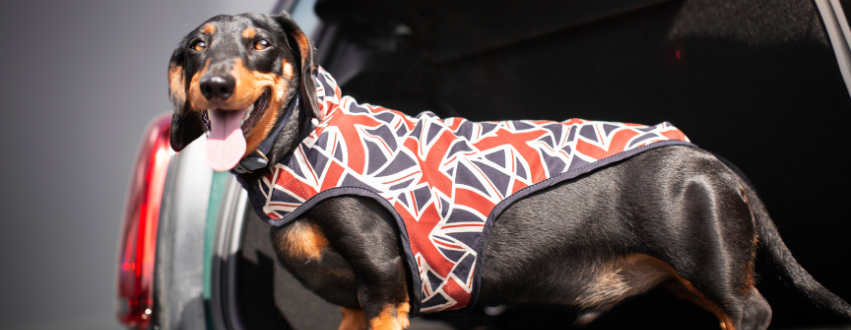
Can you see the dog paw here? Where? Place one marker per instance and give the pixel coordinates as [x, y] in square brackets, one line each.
[587, 315]
[387, 320]
[404, 322]
[402, 315]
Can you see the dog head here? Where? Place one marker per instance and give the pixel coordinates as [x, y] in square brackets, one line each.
[232, 77]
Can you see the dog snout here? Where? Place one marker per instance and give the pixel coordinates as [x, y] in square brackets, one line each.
[217, 88]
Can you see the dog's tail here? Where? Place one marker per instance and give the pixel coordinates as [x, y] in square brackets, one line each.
[782, 258]
[789, 268]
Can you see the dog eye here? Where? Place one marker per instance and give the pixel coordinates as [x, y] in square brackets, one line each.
[199, 46]
[261, 44]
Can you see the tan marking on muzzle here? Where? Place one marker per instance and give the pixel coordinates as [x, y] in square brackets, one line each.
[250, 85]
[266, 122]
[196, 99]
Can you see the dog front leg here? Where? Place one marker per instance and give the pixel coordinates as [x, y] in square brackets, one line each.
[367, 237]
[355, 319]
[385, 315]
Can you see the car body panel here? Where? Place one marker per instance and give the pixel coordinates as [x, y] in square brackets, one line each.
[179, 283]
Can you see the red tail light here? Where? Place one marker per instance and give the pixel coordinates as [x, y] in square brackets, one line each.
[138, 245]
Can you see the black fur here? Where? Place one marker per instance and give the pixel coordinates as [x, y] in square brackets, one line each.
[675, 216]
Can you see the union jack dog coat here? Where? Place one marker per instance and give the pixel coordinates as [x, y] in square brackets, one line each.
[445, 180]
[388, 215]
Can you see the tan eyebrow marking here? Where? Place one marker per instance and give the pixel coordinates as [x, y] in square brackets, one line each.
[208, 29]
[249, 33]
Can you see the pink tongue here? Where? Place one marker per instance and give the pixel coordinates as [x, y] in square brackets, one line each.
[225, 145]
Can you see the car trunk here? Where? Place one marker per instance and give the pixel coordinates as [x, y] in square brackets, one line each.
[756, 82]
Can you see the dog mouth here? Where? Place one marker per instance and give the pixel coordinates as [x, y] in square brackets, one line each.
[251, 113]
[225, 138]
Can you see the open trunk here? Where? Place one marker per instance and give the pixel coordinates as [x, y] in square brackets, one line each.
[757, 82]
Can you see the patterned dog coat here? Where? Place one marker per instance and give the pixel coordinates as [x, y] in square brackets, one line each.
[444, 180]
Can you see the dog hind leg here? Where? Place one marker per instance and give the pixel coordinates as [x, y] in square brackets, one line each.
[745, 311]
[711, 252]
[585, 316]
[756, 313]
[617, 280]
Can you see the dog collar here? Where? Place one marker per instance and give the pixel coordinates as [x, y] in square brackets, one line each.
[258, 159]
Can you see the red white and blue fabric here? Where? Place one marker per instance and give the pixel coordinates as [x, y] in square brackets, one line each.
[444, 180]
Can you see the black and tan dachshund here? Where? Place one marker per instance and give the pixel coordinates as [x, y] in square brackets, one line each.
[674, 216]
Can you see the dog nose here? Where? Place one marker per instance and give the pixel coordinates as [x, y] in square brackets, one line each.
[217, 87]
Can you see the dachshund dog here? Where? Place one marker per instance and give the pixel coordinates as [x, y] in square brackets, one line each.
[676, 215]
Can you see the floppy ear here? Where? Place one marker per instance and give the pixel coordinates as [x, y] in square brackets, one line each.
[308, 65]
[186, 125]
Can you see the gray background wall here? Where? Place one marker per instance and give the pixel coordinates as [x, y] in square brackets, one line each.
[79, 82]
